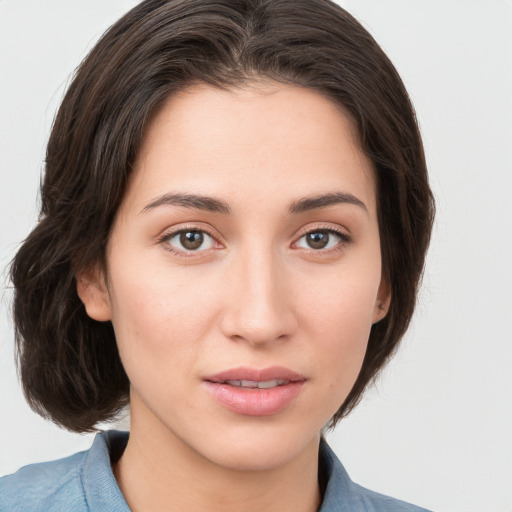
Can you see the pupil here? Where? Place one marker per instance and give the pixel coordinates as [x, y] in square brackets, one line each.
[318, 239]
[191, 240]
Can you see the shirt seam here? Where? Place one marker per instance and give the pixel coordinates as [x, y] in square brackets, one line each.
[82, 483]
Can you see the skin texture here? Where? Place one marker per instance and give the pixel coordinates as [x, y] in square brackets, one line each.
[255, 294]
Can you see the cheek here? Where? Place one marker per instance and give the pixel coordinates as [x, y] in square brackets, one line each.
[339, 315]
[343, 303]
[159, 318]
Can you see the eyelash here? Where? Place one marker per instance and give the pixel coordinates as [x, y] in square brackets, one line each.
[343, 238]
[166, 237]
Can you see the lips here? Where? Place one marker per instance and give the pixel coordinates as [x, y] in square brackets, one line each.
[255, 392]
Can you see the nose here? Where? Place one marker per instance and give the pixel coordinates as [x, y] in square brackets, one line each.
[259, 306]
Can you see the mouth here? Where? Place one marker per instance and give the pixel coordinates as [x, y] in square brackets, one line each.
[255, 392]
[253, 377]
[254, 384]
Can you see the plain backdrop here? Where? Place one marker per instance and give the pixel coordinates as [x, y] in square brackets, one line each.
[437, 427]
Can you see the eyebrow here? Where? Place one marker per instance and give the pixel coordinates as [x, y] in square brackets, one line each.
[211, 204]
[322, 201]
[194, 201]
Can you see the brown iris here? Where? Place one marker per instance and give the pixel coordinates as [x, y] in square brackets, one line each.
[318, 239]
[191, 240]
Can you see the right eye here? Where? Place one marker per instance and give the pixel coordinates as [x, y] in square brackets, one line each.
[189, 240]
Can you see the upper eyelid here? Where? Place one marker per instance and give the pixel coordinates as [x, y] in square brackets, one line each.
[173, 231]
[323, 227]
[172, 234]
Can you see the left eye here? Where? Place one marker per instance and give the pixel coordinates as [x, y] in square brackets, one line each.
[320, 239]
[190, 240]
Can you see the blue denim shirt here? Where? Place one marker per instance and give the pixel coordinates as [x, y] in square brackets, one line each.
[84, 482]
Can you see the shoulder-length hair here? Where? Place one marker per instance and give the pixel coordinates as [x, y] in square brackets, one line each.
[69, 364]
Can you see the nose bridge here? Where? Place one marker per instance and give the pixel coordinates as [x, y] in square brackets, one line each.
[259, 308]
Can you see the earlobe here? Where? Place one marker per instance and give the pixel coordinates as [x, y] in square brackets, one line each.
[92, 290]
[381, 308]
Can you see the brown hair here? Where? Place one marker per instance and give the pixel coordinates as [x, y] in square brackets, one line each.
[69, 363]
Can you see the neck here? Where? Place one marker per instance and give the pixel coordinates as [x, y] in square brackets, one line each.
[158, 472]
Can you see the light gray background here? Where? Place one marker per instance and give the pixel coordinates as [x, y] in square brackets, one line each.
[437, 428]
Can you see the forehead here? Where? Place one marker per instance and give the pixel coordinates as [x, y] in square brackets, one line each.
[258, 138]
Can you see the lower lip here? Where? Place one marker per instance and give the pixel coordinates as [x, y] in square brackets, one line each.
[252, 401]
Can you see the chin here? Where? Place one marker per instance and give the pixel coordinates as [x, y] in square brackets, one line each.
[260, 448]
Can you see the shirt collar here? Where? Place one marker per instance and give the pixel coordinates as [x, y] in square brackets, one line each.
[340, 492]
[100, 486]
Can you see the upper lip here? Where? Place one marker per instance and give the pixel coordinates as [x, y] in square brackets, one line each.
[256, 374]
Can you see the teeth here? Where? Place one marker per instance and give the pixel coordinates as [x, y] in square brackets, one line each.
[266, 384]
[252, 384]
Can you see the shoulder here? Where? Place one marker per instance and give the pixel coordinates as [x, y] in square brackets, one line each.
[80, 483]
[341, 494]
[54, 486]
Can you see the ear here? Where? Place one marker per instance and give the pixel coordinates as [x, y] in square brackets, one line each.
[92, 289]
[381, 307]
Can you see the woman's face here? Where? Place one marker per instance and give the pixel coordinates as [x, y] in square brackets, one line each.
[243, 272]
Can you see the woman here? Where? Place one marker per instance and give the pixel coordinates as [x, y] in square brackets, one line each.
[235, 215]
